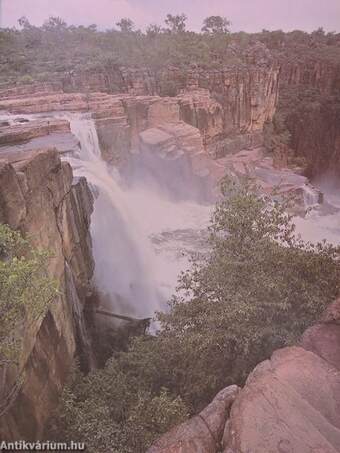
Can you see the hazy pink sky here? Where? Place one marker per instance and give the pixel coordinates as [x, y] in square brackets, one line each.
[248, 15]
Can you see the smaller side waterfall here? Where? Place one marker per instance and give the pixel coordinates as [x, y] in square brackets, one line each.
[311, 196]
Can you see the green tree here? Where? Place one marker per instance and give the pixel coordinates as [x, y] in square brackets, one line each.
[24, 22]
[111, 410]
[126, 25]
[257, 290]
[55, 23]
[216, 24]
[26, 290]
[153, 30]
[177, 23]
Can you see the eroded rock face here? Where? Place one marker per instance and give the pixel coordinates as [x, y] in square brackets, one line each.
[38, 196]
[228, 102]
[176, 151]
[203, 433]
[291, 403]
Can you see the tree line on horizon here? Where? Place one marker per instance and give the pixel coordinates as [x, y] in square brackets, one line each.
[33, 52]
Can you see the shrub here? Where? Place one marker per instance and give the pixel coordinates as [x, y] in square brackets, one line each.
[26, 290]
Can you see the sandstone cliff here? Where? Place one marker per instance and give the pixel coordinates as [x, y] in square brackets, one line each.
[223, 103]
[39, 197]
[310, 100]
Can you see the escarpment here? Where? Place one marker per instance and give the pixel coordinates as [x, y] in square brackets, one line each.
[39, 197]
[228, 105]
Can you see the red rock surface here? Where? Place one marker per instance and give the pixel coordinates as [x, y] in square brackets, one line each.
[201, 434]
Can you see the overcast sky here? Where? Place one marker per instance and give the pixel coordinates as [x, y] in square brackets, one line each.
[248, 15]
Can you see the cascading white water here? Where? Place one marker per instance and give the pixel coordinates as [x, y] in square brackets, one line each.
[123, 270]
[138, 235]
[311, 196]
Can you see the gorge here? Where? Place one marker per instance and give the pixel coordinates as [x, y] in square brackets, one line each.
[117, 172]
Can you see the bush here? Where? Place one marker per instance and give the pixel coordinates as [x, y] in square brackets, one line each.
[26, 290]
[112, 411]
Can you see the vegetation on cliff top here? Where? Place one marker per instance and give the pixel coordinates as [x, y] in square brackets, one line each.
[25, 290]
[36, 53]
[257, 290]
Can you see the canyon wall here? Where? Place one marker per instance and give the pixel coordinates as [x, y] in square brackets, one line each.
[312, 73]
[39, 197]
[229, 106]
[310, 99]
[315, 136]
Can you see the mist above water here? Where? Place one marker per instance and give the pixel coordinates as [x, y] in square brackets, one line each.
[141, 237]
[322, 222]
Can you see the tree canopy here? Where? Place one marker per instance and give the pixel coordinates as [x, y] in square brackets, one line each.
[126, 25]
[216, 24]
[30, 53]
[177, 23]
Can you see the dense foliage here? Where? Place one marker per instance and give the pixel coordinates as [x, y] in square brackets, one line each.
[25, 290]
[31, 53]
[258, 289]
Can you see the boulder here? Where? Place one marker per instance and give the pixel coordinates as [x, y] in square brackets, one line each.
[324, 338]
[203, 433]
[290, 404]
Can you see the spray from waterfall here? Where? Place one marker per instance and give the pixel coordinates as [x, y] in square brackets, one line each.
[123, 258]
[311, 196]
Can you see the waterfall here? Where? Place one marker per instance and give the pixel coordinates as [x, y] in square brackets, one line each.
[142, 237]
[123, 256]
[311, 196]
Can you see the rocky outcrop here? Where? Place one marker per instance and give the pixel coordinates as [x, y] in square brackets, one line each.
[289, 404]
[176, 149]
[221, 103]
[39, 197]
[31, 129]
[204, 432]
